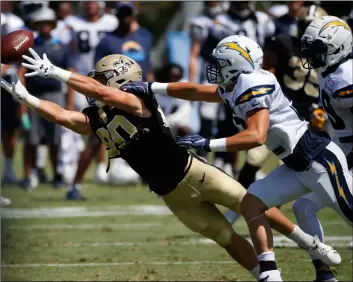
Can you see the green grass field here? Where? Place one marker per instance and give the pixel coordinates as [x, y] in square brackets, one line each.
[126, 233]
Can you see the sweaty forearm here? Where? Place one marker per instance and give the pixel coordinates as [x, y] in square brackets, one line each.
[187, 91]
[244, 140]
[85, 85]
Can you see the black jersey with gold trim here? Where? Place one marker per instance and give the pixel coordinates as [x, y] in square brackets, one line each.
[146, 144]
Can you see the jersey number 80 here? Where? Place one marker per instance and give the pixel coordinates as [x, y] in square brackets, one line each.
[112, 139]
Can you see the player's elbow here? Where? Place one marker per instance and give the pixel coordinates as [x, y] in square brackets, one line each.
[260, 139]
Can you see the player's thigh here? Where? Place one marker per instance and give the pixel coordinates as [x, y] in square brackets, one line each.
[214, 185]
[330, 179]
[200, 217]
[280, 186]
[257, 156]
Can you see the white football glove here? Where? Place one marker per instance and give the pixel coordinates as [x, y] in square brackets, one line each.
[20, 93]
[43, 67]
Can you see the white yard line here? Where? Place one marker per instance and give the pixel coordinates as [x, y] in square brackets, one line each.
[115, 264]
[84, 226]
[279, 241]
[67, 212]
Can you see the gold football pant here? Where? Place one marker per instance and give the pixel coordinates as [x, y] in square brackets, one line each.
[194, 200]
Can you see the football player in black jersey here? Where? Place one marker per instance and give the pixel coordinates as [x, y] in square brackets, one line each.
[133, 127]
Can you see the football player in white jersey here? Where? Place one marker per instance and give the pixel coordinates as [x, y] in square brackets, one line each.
[327, 48]
[312, 163]
[243, 19]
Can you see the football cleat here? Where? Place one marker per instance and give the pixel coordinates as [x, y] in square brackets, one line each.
[325, 253]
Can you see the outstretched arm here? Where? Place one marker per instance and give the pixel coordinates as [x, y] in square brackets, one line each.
[52, 112]
[188, 91]
[183, 90]
[255, 134]
[86, 85]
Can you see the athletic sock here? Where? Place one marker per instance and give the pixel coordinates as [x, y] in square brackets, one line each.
[301, 238]
[268, 267]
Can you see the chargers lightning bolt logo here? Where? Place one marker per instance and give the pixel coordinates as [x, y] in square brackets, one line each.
[235, 46]
[334, 173]
[335, 24]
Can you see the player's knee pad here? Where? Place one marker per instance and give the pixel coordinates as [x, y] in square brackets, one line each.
[304, 208]
[220, 232]
[257, 156]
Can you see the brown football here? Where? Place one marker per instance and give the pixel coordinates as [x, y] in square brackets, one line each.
[14, 45]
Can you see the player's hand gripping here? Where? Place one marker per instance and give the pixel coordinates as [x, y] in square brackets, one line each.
[194, 141]
[138, 87]
[16, 89]
[43, 67]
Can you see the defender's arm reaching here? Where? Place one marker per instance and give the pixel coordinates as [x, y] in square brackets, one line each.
[52, 112]
[183, 90]
[86, 85]
[255, 134]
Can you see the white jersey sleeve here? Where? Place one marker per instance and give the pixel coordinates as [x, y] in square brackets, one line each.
[336, 94]
[261, 90]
